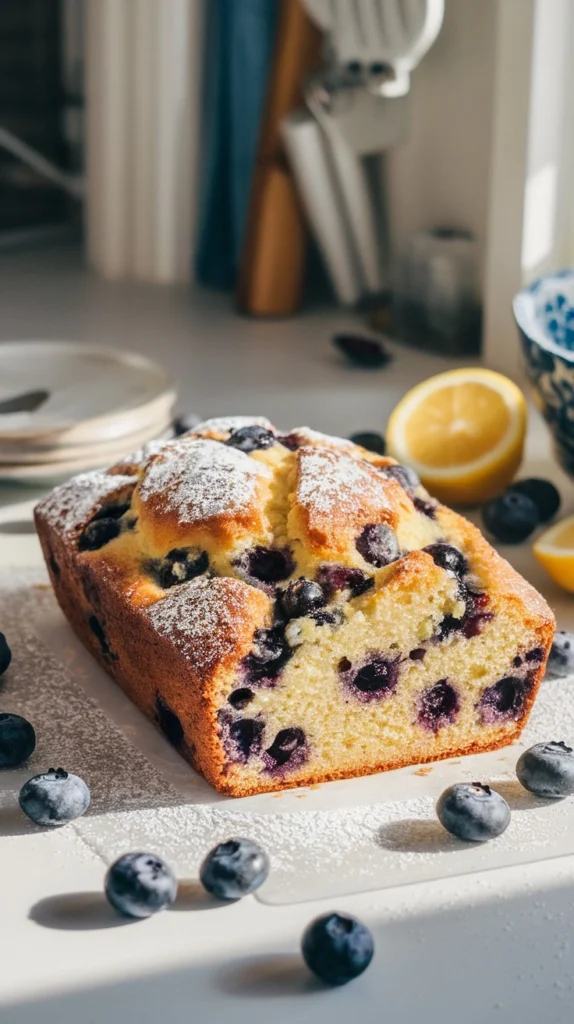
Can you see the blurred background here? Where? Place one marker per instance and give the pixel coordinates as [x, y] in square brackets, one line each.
[223, 185]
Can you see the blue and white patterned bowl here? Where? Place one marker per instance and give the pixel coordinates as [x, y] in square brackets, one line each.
[544, 313]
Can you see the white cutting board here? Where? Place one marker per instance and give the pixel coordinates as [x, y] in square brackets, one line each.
[327, 841]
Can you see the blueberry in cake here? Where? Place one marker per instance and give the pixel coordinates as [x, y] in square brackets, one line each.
[293, 608]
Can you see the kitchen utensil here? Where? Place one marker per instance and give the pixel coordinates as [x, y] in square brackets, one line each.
[319, 190]
[274, 250]
[360, 102]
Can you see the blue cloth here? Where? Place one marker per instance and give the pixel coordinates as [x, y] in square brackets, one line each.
[240, 40]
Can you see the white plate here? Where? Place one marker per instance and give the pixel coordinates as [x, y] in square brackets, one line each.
[110, 450]
[51, 473]
[92, 393]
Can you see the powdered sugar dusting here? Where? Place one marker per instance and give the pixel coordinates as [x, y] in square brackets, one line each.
[200, 480]
[139, 458]
[329, 480]
[73, 503]
[314, 437]
[226, 424]
[200, 618]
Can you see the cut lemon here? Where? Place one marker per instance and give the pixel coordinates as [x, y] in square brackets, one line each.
[462, 432]
[554, 549]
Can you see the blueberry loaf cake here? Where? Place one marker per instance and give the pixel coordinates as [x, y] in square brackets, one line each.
[291, 608]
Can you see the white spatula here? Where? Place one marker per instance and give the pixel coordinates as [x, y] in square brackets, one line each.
[360, 101]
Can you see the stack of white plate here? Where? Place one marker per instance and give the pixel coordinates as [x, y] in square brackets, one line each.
[65, 408]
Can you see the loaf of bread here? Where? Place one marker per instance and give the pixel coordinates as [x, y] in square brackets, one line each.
[291, 608]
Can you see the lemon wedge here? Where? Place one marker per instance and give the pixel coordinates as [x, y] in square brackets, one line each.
[463, 433]
[554, 549]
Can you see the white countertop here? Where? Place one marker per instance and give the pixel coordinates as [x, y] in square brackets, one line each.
[492, 946]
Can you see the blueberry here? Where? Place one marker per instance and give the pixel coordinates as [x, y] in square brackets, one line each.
[112, 510]
[240, 698]
[504, 701]
[270, 565]
[543, 493]
[337, 948]
[287, 743]
[375, 679]
[99, 532]
[426, 506]
[448, 557]
[234, 869]
[245, 737]
[439, 706]
[179, 566]
[270, 653]
[511, 518]
[365, 352]
[17, 740]
[249, 439]
[54, 798]
[168, 722]
[547, 770]
[5, 654]
[473, 812]
[378, 544]
[98, 631]
[370, 440]
[404, 475]
[561, 657]
[334, 578]
[140, 884]
[301, 597]
[186, 422]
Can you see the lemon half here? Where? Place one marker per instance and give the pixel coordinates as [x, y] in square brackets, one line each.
[463, 433]
[554, 549]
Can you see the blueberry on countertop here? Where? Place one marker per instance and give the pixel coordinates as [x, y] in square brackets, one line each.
[5, 654]
[234, 869]
[547, 770]
[140, 884]
[473, 812]
[365, 352]
[370, 440]
[54, 798]
[561, 658]
[511, 517]
[17, 740]
[186, 422]
[543, 493]
[337, 948]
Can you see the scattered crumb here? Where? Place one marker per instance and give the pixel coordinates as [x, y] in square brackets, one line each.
[42, 586]
[425, 770]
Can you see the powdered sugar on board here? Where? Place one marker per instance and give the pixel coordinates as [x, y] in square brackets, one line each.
[340, 838]
[201, 480]
[72, 504]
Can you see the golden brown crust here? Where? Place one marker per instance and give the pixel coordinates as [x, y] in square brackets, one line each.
[174, 651]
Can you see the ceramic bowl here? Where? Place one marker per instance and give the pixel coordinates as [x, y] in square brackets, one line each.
[544, 312]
